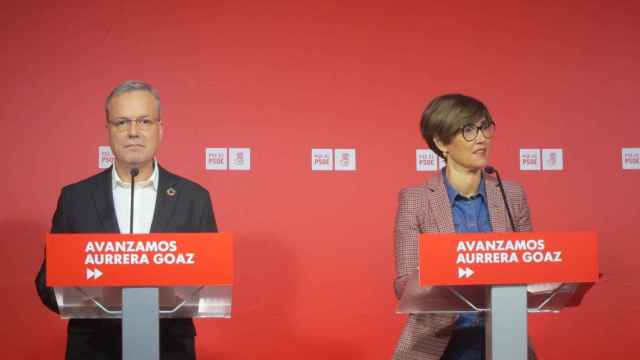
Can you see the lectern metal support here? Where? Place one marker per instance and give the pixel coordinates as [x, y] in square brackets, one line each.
[140, 324]
[506, 323]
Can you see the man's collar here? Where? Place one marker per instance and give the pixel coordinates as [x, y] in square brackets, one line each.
[453, 193]
[152, 181]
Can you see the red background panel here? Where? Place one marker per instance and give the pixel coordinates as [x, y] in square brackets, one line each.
[314, 265]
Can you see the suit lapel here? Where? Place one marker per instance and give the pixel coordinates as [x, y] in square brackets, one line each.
[438, 201]
[497, 213]
[166, 200]
[103, 198]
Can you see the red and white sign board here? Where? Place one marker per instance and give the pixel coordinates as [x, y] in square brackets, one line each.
[158, 259]
[508, 258]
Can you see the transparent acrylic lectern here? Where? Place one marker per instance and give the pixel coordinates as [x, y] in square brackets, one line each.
[505, 308]
[174, 302]
[183, 275]
[141, 308]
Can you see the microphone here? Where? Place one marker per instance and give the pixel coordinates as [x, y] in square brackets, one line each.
[491, 170]
[134, 172]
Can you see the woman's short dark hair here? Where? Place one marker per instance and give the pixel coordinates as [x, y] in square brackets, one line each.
[447, 114]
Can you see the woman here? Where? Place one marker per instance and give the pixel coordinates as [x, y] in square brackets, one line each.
[462, 198]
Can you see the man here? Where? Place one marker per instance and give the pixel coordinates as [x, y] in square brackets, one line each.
[164, 202]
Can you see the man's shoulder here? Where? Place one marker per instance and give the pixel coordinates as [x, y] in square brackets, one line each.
[183, 183]
[167, 180]
[89, 183]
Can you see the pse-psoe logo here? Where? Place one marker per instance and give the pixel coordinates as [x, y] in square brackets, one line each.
[552, 159]
[333, 159]
[530, 159]
[631, 158]
[547, 159]
[321, 159]
[216, 158]
[345, 159]
[239, 159]
[231, 158]
[427, 160]
[105, 157]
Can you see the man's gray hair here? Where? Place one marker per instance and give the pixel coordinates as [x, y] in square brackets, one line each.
[128, 86]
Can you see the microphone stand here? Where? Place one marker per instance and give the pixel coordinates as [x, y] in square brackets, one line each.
[506, 325]
[140, 306]
[134, 172]
[491, 170]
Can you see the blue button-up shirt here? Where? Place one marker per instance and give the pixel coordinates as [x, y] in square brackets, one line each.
[469, 215]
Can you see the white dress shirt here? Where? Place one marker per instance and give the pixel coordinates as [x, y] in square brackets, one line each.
[144, 201]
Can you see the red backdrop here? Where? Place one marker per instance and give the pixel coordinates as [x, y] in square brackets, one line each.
[315, 250]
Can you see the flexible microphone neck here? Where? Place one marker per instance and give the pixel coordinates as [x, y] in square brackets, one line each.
[134, 172]
[491, 170]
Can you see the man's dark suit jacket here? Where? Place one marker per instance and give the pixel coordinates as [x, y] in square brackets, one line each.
[87, 207]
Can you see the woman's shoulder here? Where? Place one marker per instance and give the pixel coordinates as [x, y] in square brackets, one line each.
[420, 192]
[510, 186]
[416, 190]
[513, 188]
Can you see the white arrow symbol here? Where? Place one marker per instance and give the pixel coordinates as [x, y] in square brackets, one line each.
[464, 272]
[93, 274]
[97, 273]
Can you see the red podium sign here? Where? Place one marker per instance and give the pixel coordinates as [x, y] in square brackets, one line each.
[158, 259]
[508, 258]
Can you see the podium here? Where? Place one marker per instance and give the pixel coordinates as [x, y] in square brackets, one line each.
[488, 273]
[141, 278]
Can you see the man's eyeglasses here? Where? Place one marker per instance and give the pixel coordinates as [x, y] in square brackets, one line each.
[470, 131]
[124, 124]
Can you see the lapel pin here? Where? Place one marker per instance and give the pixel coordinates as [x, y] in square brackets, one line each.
[171, 191]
